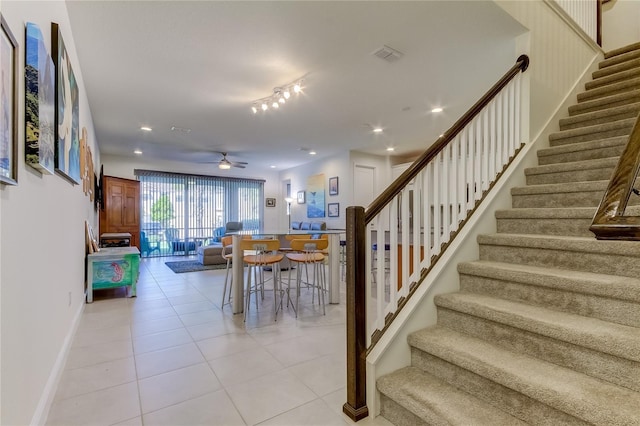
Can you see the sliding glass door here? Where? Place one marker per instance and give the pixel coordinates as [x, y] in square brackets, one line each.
[181, 212]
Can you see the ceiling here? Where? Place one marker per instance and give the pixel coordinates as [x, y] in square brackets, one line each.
[200, 65]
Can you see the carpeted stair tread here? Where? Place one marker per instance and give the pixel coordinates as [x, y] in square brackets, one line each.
[560, 188]
[615, 339]
[569, 252]
[632, 72]
[615, 69]
[559, 242]
[614, 100]
[601, 117]
[592, 400]
[438, 403]
[552, 213]
[601, 148]
[599, 163]
[620, 58]
[609, 89]
[604, 285]
[589, 133]
[621, 50]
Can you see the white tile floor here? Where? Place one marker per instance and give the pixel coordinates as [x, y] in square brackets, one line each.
[171, 356]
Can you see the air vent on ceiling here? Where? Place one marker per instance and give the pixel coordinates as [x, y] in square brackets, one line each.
[388, 54]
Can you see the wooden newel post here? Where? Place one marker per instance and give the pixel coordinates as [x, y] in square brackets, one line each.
[356, 405]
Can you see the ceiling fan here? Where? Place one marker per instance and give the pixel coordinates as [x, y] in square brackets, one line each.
[226, 164]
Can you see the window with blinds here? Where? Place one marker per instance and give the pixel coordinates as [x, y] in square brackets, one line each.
[180, 212]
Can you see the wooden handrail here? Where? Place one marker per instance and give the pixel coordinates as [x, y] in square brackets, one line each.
[356, 224]
[394, 189]
[609, 222]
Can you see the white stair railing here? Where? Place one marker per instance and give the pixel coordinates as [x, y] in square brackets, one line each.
[410, 233]
[394, 242]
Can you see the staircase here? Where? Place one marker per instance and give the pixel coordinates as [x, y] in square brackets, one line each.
[546, 326]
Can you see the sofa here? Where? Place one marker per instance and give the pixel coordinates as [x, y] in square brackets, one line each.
[309, 226]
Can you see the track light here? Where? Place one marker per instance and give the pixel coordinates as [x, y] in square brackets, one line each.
[279, 97]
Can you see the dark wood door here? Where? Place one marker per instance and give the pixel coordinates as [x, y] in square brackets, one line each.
[121, 211]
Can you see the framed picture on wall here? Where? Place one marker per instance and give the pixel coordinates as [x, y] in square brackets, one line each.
[334, 209]
[333, 185]
[8, 106]
[301, 198]
[270, 202]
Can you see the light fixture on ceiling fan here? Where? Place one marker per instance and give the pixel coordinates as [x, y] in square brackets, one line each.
[225, 164]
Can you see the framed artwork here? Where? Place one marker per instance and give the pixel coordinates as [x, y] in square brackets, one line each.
[315, 194]
[333, 185]
[270, 202]
[8, 105]
[301, 198]
[67, 138]
[39, 102]
[333, 209]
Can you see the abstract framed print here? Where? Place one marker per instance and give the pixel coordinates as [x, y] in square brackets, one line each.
[8, 105]
[39, 102]
[67, 129]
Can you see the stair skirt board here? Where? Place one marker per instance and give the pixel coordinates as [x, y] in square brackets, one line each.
[546, 326]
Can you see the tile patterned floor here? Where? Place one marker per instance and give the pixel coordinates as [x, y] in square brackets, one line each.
[171, 356]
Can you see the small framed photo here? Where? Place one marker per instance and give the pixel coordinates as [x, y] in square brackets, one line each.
[270, 202]
[301, 197]
[334, 209]
[333, 185]
[9, 105]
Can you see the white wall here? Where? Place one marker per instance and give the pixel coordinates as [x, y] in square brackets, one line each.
[43, 249]
[123, 167]
[620, 23]
[337, 165]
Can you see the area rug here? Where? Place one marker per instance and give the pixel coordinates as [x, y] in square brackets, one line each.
[192, 266]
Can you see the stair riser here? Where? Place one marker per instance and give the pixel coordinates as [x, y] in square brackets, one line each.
[620, 131]
[590, 154]
[563, 199]
[622, 50]
[398, 415]
[603, 103]
[569, 226]
[508, 400]
[615, 69]
[632, 72]
[619, 59]
[603, 263]
[596, 364]
[607, 309]
[585, 175]
[609, 90]
[572, 124]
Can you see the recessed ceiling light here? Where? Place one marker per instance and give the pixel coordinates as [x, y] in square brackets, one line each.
[438, 109]
[138, 152]
[390, 148]
[273, 167]
[146, 128]
[312, 153]
[377, 130]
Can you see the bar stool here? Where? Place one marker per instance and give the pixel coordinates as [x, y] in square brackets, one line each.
[226, 245]
[265, 254]
[309, 253]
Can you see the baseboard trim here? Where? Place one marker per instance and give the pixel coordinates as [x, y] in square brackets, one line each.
[49, 392]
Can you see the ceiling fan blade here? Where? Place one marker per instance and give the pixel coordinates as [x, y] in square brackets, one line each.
[240, 162]
[239, 166]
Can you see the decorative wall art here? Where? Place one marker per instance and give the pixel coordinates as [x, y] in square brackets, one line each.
[270, 202]
[8, 105]
[39, 102]
[315, 202]
[333, 185]
[67, 140]
[333, 209]
[86, 166]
